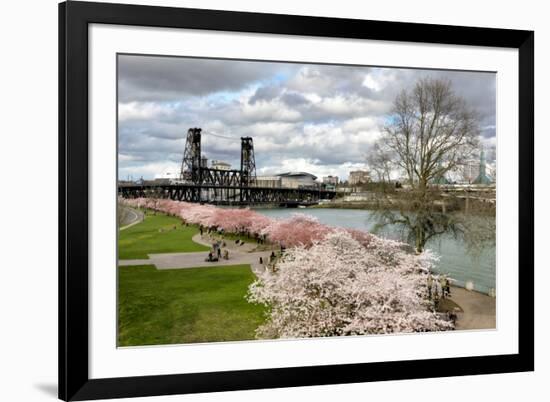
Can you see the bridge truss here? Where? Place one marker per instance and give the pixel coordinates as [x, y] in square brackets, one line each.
[199, 183]
[227, 195]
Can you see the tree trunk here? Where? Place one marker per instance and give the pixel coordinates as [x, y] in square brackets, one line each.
[420, 238]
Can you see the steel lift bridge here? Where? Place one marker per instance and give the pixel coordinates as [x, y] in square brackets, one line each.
[199, 183]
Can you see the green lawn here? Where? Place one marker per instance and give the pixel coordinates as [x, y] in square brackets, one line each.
[185, 305]
[156, 234]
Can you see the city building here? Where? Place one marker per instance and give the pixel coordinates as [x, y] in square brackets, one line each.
[477, 171]
[358, 177]
[298, 180]
[166, 177]
[468, 172]
[482, 177]
[268, 181]
[220, 165]
[330, 180]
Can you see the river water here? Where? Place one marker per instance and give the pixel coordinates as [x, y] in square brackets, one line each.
[456, 260]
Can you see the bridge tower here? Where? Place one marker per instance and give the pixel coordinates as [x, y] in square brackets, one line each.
[191, 162]
[248, 168]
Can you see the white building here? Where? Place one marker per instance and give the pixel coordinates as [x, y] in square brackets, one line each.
[220, 165]
[167, 177]
[469, 171]
[268, 181]
[298, 179]
[330, 180]
[358, 177]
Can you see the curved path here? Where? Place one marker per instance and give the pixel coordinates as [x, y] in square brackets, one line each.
[133, 217]
[238, 255]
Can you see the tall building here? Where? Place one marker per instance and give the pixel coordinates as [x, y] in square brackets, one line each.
[482, 177]
[358, 177]
[474, 170]
[330, 180]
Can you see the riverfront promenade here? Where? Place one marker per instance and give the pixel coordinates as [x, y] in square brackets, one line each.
[477, 310]
[238, 255]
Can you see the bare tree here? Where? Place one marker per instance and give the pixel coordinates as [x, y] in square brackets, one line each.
[431, 133]
[380, 160]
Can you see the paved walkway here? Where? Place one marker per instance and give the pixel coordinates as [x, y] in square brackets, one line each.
[478, 309]
[238, 255]
[132, 217]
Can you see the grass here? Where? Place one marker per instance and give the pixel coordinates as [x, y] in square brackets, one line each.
[185, 305]
[157, 234]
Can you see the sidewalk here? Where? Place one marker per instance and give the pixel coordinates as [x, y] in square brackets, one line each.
[238, 255]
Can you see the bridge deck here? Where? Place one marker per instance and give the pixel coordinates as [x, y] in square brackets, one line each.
[226, 194]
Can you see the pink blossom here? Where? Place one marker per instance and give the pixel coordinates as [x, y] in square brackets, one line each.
[337, 287]
[300, 229]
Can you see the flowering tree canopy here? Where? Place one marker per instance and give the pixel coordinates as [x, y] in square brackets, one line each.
[298, 230]
[329, 281]
[340, 287]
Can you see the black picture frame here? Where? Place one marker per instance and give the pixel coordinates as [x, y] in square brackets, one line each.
[74, 18]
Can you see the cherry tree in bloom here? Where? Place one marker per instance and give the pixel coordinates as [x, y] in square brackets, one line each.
[228, 219]
[340, 287]
[197, 214]
[300, 229]
[259, 223]
[233, 220]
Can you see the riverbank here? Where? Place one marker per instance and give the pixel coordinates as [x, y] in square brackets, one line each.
[474, 310]
[456, 260]
[370, 205]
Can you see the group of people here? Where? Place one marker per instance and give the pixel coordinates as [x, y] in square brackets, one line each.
[271, 263]
[439, 287]
[260, 239]
[216, 253]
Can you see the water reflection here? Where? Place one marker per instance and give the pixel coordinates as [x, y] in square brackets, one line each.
[459, 259]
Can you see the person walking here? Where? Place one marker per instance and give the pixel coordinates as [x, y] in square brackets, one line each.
[430, 283]
[443, 284]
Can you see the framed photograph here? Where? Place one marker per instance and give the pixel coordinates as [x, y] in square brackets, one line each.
[259, 201]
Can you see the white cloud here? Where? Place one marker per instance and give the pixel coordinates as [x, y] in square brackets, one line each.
[148, 170]
[272, 111]
[143, 111]
[318, 118]
[312, 166]
[378, 79]
[371, 83]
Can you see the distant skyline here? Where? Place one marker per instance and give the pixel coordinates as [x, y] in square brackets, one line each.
[320, 119]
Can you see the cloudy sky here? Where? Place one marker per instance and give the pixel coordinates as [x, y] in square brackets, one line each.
[302, 117]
